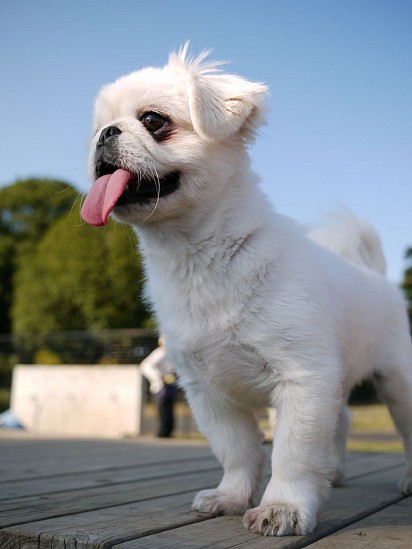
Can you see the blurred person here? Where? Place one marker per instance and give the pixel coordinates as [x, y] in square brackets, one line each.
[160, 374]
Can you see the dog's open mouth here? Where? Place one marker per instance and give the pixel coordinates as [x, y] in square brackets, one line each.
[119, 187]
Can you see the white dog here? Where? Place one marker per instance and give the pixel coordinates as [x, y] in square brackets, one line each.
[254, 312]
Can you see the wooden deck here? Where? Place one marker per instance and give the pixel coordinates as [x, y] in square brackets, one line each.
[130, 494]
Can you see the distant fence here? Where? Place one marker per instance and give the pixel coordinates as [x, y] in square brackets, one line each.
[79, 347]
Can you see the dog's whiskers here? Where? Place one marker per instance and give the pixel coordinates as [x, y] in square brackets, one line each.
[157, 183]
[80, 198]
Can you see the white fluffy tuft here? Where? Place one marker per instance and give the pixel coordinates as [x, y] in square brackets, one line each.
[195, 65]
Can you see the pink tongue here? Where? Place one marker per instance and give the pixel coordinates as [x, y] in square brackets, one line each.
[103, 195]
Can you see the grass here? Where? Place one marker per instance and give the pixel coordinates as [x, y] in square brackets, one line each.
[366, 445]
[372, 418]
[372, 430]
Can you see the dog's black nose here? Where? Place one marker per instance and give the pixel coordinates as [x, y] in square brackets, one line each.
[108, 132]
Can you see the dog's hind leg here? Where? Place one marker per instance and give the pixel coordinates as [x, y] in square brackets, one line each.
[341, 435]
[394, 386]
[235, 439]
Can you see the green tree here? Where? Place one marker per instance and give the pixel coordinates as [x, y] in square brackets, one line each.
[27, 208]
[80, 277]
[407, 281]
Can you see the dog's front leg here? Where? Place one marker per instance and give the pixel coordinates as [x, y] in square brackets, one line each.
[236, 440]
[301, 460]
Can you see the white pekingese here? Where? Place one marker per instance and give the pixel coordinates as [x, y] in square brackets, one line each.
[254, 312]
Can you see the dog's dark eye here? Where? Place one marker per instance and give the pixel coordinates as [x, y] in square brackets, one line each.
[154, 122]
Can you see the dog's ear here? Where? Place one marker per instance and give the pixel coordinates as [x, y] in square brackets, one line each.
[222, 105]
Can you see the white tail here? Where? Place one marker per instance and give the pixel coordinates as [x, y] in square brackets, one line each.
[351, 237]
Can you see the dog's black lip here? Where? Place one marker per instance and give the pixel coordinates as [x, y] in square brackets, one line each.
[104, 168]
[141, 189]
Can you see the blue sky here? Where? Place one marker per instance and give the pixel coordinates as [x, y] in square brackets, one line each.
[339, 71]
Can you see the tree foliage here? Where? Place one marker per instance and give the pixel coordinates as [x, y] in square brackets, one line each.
[80, 277]
[59, 274]
[27, 209]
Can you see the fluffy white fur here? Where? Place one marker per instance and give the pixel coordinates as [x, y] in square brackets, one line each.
[254, 312]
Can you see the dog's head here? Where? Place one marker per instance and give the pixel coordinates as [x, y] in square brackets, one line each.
[166, 138]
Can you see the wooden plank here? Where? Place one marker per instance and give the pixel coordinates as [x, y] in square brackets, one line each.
[118, 486]
[127, 462]
[56, 496]
[360, 463]
[100, 529]
[28, 458]
[24, 458]
[346, 505]
[35, 508]
[129, 494]
[390, 528]
[124, 525]
[219, 532]
[104, 477]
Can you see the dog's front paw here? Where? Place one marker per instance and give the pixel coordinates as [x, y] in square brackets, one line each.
[278, 519]
[219, 503]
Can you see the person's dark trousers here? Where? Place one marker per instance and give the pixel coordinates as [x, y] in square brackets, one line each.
[166, 416]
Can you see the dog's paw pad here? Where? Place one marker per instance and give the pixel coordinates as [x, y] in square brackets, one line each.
[279, 519]
[219, 503]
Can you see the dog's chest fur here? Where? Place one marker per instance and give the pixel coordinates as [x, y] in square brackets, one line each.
[206, 295]
[206, 285]
[233, 368]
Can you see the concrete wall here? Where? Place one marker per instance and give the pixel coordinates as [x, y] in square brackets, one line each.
[78, 400]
